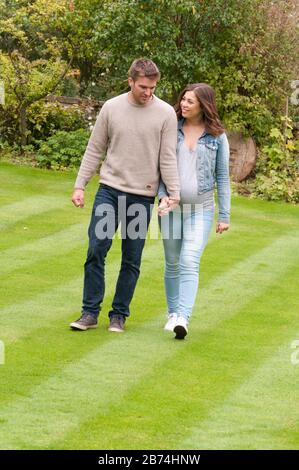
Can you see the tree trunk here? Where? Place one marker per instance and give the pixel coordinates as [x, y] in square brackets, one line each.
[243, 156]
[85, 68]
[23, 127]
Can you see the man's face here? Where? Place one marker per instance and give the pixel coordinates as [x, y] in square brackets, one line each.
[142, 89]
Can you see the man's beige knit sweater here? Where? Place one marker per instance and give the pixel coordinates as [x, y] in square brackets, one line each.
[137, 144]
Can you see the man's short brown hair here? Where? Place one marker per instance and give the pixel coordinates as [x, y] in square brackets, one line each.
[144, 68]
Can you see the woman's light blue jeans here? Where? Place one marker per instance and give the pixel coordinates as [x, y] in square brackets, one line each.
[185, 232]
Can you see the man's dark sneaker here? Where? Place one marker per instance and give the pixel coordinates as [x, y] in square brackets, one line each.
[85, 322]
[117, 323]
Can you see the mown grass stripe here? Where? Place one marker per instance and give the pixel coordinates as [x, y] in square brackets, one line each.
[38, 224]
[63, 300]
[19, 180]
[264, 407]
[12, 213]
[87, 386]
[162, 409]
[253, 276]
[34, 320]
[57, 244]
[60, 346]
[178, 390]
[147, 350]
[250, 277]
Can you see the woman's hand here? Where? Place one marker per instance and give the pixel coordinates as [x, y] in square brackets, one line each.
[221, 227]
[163, 207]
[166, 205]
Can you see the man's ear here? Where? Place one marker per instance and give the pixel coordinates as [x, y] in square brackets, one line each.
[131, 82]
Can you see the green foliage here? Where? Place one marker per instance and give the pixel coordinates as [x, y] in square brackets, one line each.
[44, 119]
[276, 187]
[248, 51]
[8, 124]
[31, 63]
[63, 149]
[245, 50]
[277, 171]
[69, 87]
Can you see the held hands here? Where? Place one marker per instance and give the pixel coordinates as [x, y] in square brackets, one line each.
[221, 227]
[166, 205]
[78, 198]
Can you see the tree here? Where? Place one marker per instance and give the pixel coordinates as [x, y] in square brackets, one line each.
[248, 51]
[82, 30]
[30, 61]
[244, 50]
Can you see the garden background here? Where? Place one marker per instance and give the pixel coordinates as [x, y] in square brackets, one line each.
[233, 383]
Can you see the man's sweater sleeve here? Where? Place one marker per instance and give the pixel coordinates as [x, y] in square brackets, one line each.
[95, 151]
[168, 160]
[162, 190]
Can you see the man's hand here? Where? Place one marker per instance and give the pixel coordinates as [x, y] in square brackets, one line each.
[166, 205]
[78, 198]
[221, 227]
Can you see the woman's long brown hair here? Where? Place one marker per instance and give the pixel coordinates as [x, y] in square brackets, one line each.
[206, 98]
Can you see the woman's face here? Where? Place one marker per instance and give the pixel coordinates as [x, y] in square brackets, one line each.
[190, 106]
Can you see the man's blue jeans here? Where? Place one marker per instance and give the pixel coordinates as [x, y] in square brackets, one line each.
[110, 208]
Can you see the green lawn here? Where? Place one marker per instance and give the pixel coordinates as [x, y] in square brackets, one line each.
[230, 385]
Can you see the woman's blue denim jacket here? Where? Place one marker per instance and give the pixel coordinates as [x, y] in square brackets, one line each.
[212, 167]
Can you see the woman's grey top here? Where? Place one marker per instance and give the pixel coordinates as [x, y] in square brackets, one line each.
[188, 180]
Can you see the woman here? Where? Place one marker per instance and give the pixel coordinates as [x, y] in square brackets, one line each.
[203, 160]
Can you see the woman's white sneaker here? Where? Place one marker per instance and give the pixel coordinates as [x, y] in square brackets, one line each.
[171, 322]
[181, 328]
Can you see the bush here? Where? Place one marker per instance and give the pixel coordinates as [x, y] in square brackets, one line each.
[62, 150]
[276, 187]
[9, 127]
[69, 87]
[45, 119]
[277, 170]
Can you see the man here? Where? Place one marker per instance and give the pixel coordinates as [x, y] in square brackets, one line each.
[137, 133]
